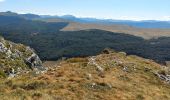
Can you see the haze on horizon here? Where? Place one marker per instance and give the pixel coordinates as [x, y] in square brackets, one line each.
[107, 9]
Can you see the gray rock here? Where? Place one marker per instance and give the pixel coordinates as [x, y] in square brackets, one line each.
[34, 62]
[164, 77]
[19, 53]
[92, 60]
[3, 49]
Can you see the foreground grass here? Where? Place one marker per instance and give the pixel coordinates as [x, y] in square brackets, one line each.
[124, 78]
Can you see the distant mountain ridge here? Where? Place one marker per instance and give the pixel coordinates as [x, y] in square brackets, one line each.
[64, 37]
[71, 18]
[24, 23]
[139, 24]
[26, 16]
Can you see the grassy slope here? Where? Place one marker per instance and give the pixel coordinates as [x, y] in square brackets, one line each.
[75, 79]
[146, 33]
[142, 32]
[12, 60]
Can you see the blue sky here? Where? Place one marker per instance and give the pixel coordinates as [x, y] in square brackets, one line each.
[112, 9]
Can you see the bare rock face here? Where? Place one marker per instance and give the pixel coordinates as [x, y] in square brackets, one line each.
[2, 48]
[34, 62]
[17, 58]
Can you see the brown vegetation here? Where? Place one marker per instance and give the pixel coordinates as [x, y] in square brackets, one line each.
[125, 78]
[141, 32]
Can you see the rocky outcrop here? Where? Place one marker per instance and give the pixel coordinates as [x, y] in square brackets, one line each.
[163, 74]
[33, 60]
[2, 48]
[164, 77]
[17, 58]
[92, 60]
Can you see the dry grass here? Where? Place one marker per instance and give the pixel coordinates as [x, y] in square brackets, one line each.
[75, 79]
[141, 32]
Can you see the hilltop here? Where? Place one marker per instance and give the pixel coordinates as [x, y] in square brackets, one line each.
[108, 76]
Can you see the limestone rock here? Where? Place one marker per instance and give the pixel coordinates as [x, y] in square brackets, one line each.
[17, 58]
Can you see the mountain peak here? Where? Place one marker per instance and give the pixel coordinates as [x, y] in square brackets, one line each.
[68, 16]
[8, 13]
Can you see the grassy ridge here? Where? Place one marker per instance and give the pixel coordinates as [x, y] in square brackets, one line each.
[123, 78]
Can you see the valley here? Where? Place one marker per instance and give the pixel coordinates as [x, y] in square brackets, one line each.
[67, 38]
[84, 50]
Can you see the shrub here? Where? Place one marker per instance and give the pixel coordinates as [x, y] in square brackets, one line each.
[37, 95]
[34, 85]
[9, 83]
[2, 74]
[140, 97]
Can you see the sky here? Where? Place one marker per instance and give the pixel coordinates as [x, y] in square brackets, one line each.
[107, 9]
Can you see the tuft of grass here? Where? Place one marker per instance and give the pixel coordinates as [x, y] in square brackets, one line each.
[76, 60]
[2, 74]
[75, 79]
[33, 85]
[140, 97]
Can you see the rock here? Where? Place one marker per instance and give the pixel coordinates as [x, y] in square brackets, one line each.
[125, 69]
[11, 76]
[123, 53]
[92, 60]
[163, 76]
[34, 61]
[2, 48]
[17, 58]
[89, 76]
[107, 51]
[93, 85]
[17, 54]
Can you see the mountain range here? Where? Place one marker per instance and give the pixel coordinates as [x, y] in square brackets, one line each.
[82, 59]
[147, 29]
[71, 18]
[139, 24]
[70, 38]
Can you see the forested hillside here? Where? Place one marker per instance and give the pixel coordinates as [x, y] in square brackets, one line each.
[16, 24]
[53, 46]
[51, 43]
